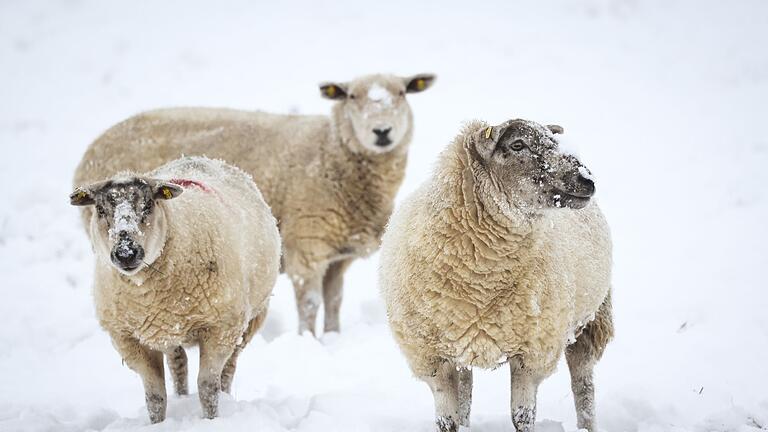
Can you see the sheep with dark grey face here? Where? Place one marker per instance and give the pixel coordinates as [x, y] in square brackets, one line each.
[501, 257]
[330, 180]
[175, 269]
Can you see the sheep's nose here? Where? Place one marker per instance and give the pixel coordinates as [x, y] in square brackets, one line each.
[382, 133]
[382, 137]
[127, 254]
[586, 185]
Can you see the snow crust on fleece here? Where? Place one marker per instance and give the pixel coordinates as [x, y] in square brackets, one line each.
[379, 94]
[663, 98]
[567, 145]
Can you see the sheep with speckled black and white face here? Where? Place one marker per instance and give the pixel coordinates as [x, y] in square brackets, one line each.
[175, 270]
[376, 108]
[526, 159]
[500, 257]
[127, 227]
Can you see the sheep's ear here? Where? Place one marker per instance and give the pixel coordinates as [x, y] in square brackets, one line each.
[419, 83]
[333, 91]
[81, 197]
[555, 129]
[485, 140]
[164, 190]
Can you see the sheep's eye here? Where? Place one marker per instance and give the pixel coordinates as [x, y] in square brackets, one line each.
[402, 93]
[518, 145]
[352, 96]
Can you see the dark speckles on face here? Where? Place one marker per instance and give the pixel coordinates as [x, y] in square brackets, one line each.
[123, 208]
[526, 159]
[137, 193]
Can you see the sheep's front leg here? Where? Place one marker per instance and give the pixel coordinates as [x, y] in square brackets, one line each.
[149, 365]
[445, 390]
[465, 396]
[214, 353]
[308, 292]
[333, 283]
[177, 363]
[525, 384]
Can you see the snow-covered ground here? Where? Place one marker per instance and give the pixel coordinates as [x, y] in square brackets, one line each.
[666, 100]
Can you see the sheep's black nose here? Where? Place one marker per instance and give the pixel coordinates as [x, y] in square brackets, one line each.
[127, 255]
[586, 185]
[382, 133]
[382, 137]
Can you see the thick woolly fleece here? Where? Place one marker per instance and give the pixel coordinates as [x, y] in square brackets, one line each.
[470, 282]
[216, 270]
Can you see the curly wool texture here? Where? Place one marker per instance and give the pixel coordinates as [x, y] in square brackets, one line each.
[469, 279]
[215, 273]
[331, 202]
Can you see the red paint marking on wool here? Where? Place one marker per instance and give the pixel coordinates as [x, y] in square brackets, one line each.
[185, 183]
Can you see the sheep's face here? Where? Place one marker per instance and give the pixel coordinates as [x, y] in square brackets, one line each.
[375, 109]
[526, 162]
[127, 225]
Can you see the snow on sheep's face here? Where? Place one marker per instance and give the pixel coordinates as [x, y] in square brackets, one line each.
[527, 161]
[126, 226]
[376, 109]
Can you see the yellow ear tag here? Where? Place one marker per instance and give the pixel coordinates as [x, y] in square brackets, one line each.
[330, 91]
[488, 132]
[79, 195]
[420, 84]
[167, 193]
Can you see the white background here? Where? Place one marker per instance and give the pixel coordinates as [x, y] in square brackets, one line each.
[665, 99]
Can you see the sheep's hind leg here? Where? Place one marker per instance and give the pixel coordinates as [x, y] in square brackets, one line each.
[177, 364]
[228, 373]
[581, 357]
[465, 395]
[214, 353]
[333, 283]
[524, 384]
[445, 390]
[149, 365]
[308, 292]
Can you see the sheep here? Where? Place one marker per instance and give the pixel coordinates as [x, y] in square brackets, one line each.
[500, 257]
[174, 270]
[331, 181]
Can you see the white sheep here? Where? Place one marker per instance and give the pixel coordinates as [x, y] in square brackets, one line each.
[500, 257]
[330, 181]
[195, 270]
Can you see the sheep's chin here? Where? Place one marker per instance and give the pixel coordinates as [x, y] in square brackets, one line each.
[127, 272]
[368, 145]
[565, 200]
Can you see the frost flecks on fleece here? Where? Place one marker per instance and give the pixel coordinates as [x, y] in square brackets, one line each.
[377, 93]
